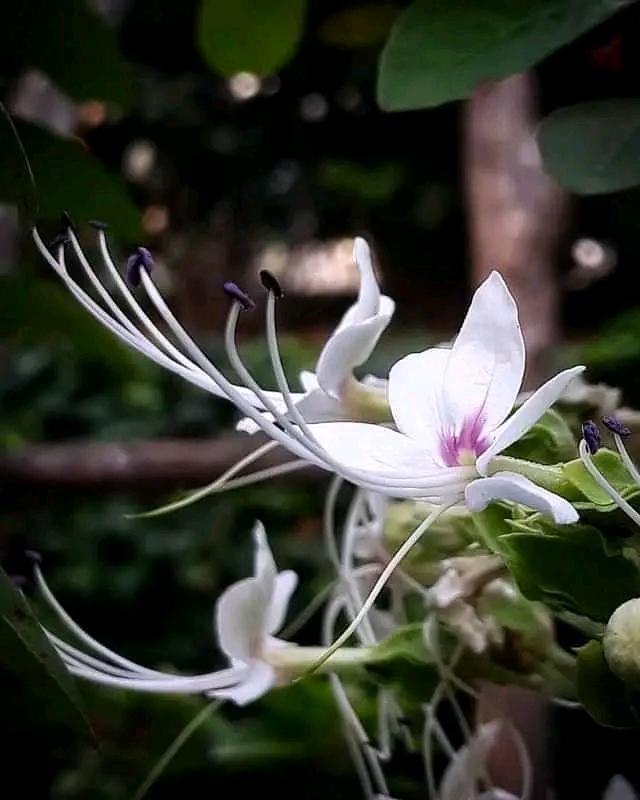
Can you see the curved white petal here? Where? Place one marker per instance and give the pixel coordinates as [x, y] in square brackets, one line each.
[265, 570]
[240, 619]
[518, 489]
[486, 364]
[350, 346]
[258, 681]
[362, 446]
[368, 302]
[284, 586]
[527, 415]
[415, 397]
[468, 766]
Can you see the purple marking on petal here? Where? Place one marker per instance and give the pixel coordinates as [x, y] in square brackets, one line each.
[470, 439]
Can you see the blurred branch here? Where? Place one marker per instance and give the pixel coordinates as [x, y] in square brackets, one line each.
[517, 213]
[110, 465]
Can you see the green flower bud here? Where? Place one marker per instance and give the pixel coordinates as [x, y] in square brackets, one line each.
[621, 642]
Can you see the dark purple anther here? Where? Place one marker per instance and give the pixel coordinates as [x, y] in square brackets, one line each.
[98, 225]
[591, 435]
[270, 283]
[141, 259]
[615, 426]
[233, 291]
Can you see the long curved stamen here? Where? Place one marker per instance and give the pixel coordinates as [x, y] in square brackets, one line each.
[126, 674]
[626, 458]
[351, 719]
[140, 343]
[81, 635]
[214, 486]
[379, 585]
[604, 484]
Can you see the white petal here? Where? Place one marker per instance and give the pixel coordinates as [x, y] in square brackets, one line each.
[468, 765]
[415, 396]
[527, 415]
[265, 569]
[285, 584]
[518, 489]
[240, 619]
[350, 346]
[242, 610]
[619, 789]
[258, 681]
[486, 365]
[362, 446]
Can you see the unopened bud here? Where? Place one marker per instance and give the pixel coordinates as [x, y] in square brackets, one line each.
[621, 642]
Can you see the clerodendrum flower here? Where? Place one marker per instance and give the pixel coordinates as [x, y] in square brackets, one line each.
[247, 616]
[451, 408]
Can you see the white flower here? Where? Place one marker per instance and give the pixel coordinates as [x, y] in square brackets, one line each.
[247, 615]
[327, 390]
[450, 405]
[451, 408]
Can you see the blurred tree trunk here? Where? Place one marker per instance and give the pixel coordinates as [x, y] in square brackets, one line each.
[517, 213]
[517, 219]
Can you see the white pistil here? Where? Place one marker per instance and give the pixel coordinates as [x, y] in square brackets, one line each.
[604, 484]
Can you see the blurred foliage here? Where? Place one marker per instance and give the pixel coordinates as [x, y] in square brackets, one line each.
[438, 52]
[249, 35]
[605, 157]
[302, 155]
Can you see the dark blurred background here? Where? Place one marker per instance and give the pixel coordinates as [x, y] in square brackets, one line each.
[122, 118]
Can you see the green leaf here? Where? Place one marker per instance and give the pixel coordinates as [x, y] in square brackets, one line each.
[257, 36]
[604, 696]
[549, 441]
[594, 147]
[440, 51]
[610, 465]
[407, 643]
[362, 26]
[573, 571]
[30, 665]
[71, 43]
[33, 311]
[66, 178]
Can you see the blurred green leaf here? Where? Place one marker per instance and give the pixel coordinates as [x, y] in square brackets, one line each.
[361, 26]
[67, 178]
[548, 442]
[574, 570]
[439, 52]
[594, 147]
[249, 35]
[71, 43]
[33, 310]
[604, 696]
[29, 662]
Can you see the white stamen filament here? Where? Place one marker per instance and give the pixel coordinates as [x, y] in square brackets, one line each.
[379, 585]
[604, 484]
[120, 672]
[626, 458]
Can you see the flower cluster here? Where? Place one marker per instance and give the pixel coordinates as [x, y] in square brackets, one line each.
[437, 496]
